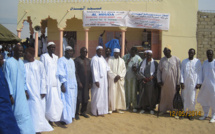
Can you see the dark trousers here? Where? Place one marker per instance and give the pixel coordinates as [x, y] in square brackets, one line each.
[83, 107]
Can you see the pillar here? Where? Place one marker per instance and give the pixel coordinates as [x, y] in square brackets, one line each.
[19, 33]
[86, 38]
[61, 43]
[36, 44]
[123, 29]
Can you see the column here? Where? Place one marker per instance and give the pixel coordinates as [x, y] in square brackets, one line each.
[19, 33]
[123, 29]
[61, 43]
[86, 38]
[36, 44]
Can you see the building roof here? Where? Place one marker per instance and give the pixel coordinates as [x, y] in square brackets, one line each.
[6, 36]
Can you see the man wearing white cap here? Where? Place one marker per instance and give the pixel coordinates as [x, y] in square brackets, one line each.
[54, 105]
[99, 91]
[66, 75]
[116, 82]
[146, 75]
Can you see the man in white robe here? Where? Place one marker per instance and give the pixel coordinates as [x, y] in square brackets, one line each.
[66, 75]
[54, 105]
[116, 82]
[206, 95]
[16, 78]
[99, 91]
[191, 80]
[132, 61]
[36, 85]
[168, 77]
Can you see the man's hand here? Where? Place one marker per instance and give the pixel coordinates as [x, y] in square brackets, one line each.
[63, 89]
[80, 85]
[90, 86]
[11, 99]
[42, 95]
[97, 84]
[145, 80]
[27, 96]
[150, 78]
[182, 85]
[198, 86]
[134, 68]
[160, 84]
[178, 88]
[116, 78]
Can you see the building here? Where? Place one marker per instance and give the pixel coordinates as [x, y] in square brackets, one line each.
[66, 16]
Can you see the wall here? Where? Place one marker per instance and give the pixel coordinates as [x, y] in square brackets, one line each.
[205, 34]
[183, 18]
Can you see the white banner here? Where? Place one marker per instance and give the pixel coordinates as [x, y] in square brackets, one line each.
[148, 20]
[144, 20]
[104, 18]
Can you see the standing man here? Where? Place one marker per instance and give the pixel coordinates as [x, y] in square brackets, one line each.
[147, 74]
[206, 95]
[107, 54]
[168, 77]
[54, 105]
[84, 79]
[191, 80]
[44, 43]
[36, 85]
[7, 119]
[101, 39]
[66, 75]
[16, 79]
[99, 91]
[116, 82]
[132, 61]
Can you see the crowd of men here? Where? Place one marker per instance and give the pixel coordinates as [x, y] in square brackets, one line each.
[34, 94]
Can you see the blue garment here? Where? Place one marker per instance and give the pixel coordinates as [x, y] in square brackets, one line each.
[101, 41]
[114, 43]
[66, 75]
[5, 54]
[16, 78]
[8, 123]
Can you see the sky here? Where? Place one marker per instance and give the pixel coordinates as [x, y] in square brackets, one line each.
[8, 14]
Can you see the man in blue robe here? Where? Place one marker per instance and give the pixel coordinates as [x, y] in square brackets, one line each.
[114, 43]
[67, 77]
[15, 76]
[7, 119]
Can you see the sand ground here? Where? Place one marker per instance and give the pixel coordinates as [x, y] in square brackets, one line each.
[135, 123]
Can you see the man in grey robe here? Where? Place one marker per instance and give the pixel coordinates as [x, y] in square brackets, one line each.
[168, 77]
[84, 80]
[147, 77]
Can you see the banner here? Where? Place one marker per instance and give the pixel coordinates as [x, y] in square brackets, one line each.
[148, 20]
[143, 20]
[104, 18]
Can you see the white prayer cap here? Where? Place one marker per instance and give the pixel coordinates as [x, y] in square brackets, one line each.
[50, 43]
[0, 46]
[116, 50]
[148, 51]
[68, 48]
[99, 47]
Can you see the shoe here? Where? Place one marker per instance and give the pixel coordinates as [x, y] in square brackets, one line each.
[202, 118]
[62, 123]
[118, 111]
[110, 112]
[152, 112]
[142, 111]
[134, 110]
[77, 117]
[85, 115]
[212, 120]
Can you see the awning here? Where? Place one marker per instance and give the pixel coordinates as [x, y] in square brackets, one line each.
[6, 36]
